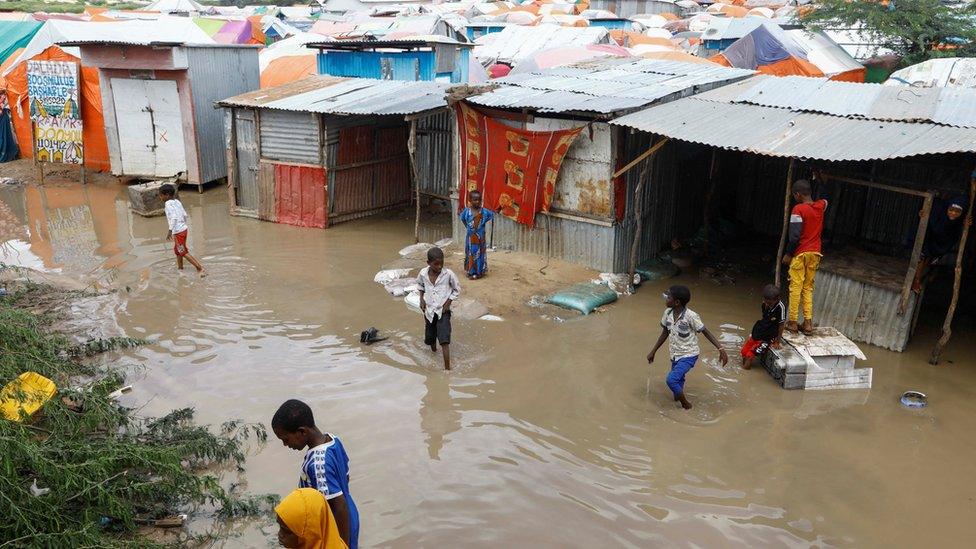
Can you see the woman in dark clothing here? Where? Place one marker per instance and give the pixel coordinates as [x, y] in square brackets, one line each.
[941, 236]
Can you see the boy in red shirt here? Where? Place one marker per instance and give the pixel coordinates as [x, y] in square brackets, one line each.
[803, 254]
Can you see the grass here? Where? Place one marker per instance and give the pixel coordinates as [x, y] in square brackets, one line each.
[107, 469]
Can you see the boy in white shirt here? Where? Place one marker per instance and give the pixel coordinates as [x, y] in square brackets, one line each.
[680, 327]
[178, 228]
[439, 287]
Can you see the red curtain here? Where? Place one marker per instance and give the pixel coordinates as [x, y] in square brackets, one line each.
[300, 195]
[514, 169]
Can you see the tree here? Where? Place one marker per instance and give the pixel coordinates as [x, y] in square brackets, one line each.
[914, 29]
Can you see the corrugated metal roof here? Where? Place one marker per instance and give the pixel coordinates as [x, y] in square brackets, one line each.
[329, 95]
[782, 132]
[947, 106]
[604, 87]
[413, 41]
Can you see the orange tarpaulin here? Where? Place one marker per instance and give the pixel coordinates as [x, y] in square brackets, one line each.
[288, 69]
[90, 97]
[515, 170]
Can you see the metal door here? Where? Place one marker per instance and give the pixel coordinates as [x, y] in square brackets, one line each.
[247, 161]
[150, 126]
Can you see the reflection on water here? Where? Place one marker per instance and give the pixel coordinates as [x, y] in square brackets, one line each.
[547, 434]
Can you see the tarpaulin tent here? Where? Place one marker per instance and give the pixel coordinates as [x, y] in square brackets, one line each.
[15, 35]
[771, 50]
[175, 6]
[8, 141]
[288, 69]
[43, 47]
[234, 32]
[288, 60]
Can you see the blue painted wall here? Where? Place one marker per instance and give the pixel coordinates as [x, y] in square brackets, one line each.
[477, 31]
[406, 65]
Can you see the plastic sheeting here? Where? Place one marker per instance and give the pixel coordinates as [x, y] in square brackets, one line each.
[15, 35]
[300, 195]
[93, 121]
[288, 69]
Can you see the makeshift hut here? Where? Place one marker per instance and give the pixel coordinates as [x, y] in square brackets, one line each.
[879, 154]
[324, 150]
[431, 58]
[180, 7]
[769, 49]
[43, 47]
[587, 219]
[158, 104]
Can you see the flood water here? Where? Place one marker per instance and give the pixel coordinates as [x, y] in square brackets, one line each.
[546, 434]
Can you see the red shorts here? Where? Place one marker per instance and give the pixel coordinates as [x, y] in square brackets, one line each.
[179, 244]
[753, 348]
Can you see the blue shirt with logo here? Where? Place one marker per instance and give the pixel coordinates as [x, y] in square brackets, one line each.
[326, 468]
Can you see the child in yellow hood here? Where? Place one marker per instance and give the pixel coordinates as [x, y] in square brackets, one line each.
[305, 521]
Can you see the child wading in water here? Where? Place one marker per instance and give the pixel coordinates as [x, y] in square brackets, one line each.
[768, 330]
[325, 469]
[439, 287]
[178, 229]
[475, 219]
[680, 327]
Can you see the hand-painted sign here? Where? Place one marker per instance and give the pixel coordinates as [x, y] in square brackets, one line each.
[52, 89]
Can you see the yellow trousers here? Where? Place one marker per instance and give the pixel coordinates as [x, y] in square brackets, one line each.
[803, 268]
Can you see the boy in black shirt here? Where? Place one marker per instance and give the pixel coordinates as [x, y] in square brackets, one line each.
[767, 330]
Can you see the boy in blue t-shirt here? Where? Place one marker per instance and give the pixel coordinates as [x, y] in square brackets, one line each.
[326, 465]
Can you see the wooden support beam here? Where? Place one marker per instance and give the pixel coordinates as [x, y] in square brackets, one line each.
[947, 325]
[786, 223]
[645, 175]
[712, 178]
[923, 225]
[232, 168]
[874, 185]
[643, 155]
[411, 151]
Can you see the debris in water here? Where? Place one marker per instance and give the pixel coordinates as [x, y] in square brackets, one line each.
[914, 399]
[491, 318]
[370, 336]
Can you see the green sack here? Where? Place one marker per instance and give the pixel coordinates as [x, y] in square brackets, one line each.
[583, 297]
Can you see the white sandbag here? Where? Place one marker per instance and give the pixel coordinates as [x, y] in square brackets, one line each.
[413, 300]
[491, 318]
[401, 286]
[386, 276]
[416, 249]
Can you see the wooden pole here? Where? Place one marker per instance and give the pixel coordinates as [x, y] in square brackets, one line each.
[947, 325]
[412, 149]
[923, 225]
[642, 156]
[712, 173]
[786, 223]
[645, 175]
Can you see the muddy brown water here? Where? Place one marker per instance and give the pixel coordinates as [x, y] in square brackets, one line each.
[546, 434]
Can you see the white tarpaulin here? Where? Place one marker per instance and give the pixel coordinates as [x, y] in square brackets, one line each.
[515, 43]
[948, 72]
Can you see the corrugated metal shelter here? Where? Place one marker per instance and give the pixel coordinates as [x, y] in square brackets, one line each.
[158, 104]
[324, 150]
[883, 151]
[586, 223]
[431, 58]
